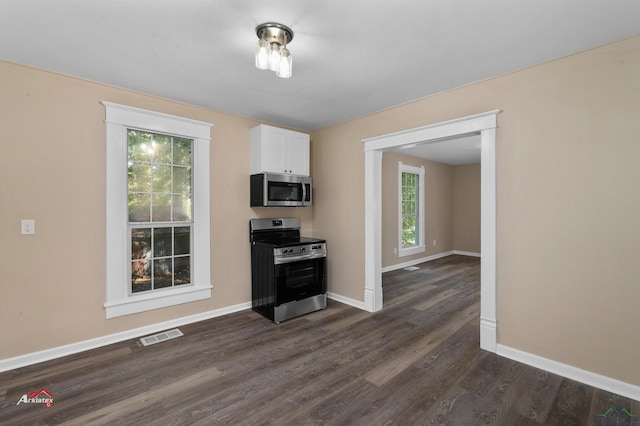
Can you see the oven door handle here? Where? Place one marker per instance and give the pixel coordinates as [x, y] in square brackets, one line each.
[283, 260]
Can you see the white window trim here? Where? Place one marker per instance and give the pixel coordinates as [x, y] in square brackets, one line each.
[420, 247]
[118, 300]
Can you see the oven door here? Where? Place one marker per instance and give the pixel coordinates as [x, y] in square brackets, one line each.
[300, 279]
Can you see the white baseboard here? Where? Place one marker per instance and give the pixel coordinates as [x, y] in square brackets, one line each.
[488, 334]
[60, 351]
[347, 301]
[416, 261]
[466, 253]
[428, 258]
[587, 377]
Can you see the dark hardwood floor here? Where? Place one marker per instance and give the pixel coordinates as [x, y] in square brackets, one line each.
[415, 362]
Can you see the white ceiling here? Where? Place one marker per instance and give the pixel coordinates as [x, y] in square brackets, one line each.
[455, 151]
[351, 58]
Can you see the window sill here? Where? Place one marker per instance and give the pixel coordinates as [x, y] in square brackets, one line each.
[162, 299]
[410, 250]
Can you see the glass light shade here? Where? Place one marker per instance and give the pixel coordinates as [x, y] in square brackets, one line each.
[262, 55]
[285, 68]
[274, 57]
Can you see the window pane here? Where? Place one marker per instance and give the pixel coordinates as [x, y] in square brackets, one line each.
[182, 151]
[181, 208]
[408, 207]
[182, 180]
[139, 177]
[161, 149]
[162, 273]
[409, 179]
[139, 145]
[182, 240]
[161, 207]
[160, 165]
[161, 178]
[140, 276]
[140, 243]
[162, 242]
[141, 260]
[139, 207]
[408, 231]
[182, 270]
[166, 269]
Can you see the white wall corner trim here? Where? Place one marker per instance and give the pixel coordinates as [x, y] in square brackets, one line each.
[484, 124]
[73, 348]
[587, 377]
[373, 230]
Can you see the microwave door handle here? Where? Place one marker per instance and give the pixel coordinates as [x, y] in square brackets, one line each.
[304, 192]
[265, 190]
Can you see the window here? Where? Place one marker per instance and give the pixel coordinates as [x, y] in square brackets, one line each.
[158, 251]
[159, 208]
[410, 209]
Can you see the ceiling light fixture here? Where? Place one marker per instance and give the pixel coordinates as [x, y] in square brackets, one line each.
[271, 52]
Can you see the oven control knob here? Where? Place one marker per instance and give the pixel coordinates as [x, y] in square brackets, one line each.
[303, 248]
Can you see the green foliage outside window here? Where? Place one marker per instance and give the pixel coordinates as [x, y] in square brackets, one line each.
[160, 210]
[410, 193]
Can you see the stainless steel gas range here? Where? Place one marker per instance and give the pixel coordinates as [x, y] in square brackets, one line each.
[288, 272]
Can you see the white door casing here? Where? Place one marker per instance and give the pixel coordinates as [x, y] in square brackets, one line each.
[485, 124]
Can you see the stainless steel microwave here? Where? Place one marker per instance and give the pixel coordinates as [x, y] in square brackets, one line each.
[280, 190]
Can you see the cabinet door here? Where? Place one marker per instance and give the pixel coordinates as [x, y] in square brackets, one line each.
[277, 150]
[298, 155]
[274, 158]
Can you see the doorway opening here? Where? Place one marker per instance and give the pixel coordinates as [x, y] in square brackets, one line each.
[485, 125]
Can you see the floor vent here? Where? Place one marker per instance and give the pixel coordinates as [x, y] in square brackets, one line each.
[411, 268]
[161, 337]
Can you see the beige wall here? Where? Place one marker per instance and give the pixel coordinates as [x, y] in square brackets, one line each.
[438, 186]
[567, 203]
[52, 169]
[466, 208]
[452, 208]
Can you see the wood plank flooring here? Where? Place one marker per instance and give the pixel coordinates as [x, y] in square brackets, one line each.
[415, 362]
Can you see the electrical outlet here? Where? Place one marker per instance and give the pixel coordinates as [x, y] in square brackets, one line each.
[395, 250]
[434, 243]
[28, 226]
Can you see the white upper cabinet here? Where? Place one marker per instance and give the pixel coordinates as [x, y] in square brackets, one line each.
[279, 150]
